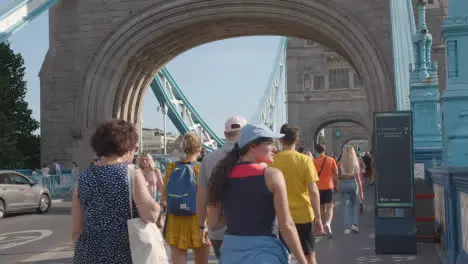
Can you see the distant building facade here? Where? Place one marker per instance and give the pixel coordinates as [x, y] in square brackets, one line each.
[153, 141]
[324, 90]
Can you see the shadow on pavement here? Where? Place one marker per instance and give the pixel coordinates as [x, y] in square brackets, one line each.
[51, 261]
[54, 210]
[359, 248]
[57, 208]
[59, 211]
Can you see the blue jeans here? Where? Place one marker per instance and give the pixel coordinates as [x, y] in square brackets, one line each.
[350, 202]
[253, 250]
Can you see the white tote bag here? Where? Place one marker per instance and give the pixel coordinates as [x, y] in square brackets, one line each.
[146, 242]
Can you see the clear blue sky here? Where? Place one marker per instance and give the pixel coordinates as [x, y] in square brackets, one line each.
[220, 79]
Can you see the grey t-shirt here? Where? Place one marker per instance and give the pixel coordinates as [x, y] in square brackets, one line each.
[206, 168]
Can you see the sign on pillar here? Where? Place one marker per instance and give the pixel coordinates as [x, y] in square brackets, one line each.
[395, 222]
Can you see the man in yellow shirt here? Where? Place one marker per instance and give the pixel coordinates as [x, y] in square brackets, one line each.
[303, 195]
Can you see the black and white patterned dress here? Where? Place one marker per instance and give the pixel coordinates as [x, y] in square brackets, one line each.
[103, 196]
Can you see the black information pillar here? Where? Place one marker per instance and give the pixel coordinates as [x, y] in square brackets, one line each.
[395, 223]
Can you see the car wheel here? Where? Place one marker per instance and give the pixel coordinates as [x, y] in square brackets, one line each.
[2, 209]
[44, 204]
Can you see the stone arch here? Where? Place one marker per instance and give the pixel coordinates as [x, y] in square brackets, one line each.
[351, 137]
[128, 58]
[336, 117]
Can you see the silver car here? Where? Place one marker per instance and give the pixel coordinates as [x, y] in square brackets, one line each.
[19, 193]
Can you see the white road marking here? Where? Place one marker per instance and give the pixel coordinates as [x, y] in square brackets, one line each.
[58, 253]
[15, 239]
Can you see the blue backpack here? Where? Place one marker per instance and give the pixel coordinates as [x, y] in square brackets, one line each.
[181, 190]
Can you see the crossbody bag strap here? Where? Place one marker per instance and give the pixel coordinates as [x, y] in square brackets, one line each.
[131, 187]
[323, 164]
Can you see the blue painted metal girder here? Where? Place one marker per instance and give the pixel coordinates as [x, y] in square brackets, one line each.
[268, 106]
[403, 29]
[14, 14]
[181, 112]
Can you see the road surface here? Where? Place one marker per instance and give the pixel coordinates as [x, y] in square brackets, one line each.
[55, 246]
[28, 234]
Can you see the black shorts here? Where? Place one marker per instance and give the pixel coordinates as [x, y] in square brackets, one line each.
[326, 196]
[306, 234]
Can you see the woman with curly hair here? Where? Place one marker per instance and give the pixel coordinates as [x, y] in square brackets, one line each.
[181, 230]
[100, 203]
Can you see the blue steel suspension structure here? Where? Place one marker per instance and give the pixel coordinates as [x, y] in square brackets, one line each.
[14, 14]
[181, 112]
[185, 118]
[268, 107]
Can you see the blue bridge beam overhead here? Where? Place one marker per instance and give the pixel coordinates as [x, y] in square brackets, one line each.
[14, 14]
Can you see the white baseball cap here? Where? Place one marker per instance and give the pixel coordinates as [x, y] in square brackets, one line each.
[234, 123]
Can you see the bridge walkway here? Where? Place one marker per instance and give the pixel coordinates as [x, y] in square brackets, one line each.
[359, 248]
[342, 249]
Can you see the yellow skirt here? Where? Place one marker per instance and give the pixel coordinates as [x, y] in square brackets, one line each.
[183, 232]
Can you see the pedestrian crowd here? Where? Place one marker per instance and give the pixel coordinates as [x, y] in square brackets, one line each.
[249, 201]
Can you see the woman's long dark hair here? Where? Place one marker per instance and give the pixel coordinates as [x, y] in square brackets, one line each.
[220, 175]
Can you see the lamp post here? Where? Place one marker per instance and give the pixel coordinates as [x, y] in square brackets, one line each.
[141, 135]
[164, 112]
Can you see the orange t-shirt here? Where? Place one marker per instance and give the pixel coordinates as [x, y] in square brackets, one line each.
[326, 176]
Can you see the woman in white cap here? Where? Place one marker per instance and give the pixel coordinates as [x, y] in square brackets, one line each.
[252, 196]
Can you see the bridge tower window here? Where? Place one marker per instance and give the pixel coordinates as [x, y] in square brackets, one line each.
[337, 133]
[357, 81]
[319, 82]
[432, 3]
[338, 78]
[310, 44]
[307, 82]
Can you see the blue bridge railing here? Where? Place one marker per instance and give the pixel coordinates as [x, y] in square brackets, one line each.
[451, 204]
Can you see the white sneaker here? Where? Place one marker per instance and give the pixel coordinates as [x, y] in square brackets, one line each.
[347, 231]
[355, 228]
[328, 230]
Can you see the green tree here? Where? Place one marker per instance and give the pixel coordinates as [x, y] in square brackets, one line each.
[18, 146]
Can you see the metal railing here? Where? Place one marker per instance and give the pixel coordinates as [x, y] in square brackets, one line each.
[60, 186]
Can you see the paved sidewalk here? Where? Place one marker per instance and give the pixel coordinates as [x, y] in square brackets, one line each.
[342, 249]
[359, 248]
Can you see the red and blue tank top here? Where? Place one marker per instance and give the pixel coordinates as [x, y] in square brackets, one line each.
[248, 203]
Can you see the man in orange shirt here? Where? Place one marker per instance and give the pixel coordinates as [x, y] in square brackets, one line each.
[327, 184]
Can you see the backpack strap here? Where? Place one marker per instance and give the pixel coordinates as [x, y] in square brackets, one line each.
[323, 164]
[131, 187]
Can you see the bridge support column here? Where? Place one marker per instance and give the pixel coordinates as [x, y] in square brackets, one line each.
[424, 96]
[62, 138]
[455, 98]
[453, 176]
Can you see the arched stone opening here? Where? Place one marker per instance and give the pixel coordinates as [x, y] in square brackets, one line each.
[345, 117]
[100, 63]
[127, 60]
[351, 138]
[338, 117]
